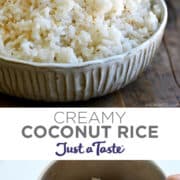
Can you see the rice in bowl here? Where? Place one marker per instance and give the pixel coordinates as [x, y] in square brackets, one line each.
[73, 31]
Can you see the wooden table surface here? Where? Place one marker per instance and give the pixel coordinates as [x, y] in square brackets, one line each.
[158, 86]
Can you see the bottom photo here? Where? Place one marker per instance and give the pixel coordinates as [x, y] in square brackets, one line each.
[89, 170]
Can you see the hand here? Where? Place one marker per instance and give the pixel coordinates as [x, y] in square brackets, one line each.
[175, 177]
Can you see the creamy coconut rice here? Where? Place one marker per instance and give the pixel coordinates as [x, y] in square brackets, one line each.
[73, 31]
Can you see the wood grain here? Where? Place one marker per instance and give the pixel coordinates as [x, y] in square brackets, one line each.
[111, 100]
[158, 86]
[172, 38]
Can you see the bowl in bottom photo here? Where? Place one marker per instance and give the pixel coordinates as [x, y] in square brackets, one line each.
[102, 170]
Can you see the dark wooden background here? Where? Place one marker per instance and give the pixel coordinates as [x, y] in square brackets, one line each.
[158, 86]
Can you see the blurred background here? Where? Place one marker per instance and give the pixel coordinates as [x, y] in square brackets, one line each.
[30, 170]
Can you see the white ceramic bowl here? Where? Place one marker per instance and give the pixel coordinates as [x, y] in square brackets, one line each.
[116, 170]
[68, 82]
